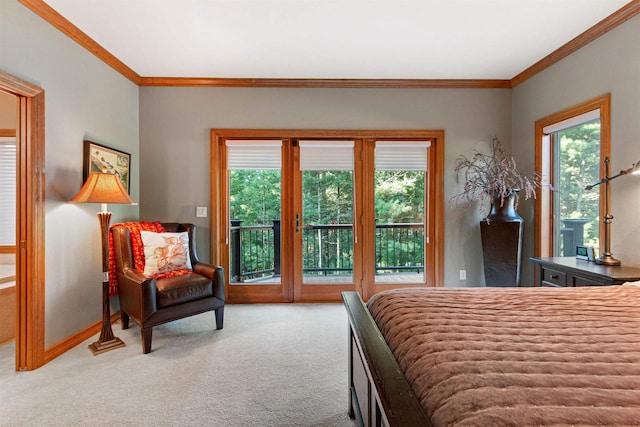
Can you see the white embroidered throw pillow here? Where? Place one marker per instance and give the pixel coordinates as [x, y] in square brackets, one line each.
[165, 252]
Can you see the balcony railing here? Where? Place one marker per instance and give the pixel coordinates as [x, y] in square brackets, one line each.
[572, 235]
[327, 249]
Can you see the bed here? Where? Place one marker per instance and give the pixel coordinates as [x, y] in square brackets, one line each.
[495, 356]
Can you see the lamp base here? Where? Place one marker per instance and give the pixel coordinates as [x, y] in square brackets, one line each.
[106, 341]
[607, 259]
[100, 347]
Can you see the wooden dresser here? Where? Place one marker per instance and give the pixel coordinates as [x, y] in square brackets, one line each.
[569, 271]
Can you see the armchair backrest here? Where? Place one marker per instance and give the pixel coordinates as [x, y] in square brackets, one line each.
[179, 227]
[125, 258]
[122, 248]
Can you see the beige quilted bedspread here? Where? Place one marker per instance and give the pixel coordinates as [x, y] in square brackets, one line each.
[518, 356]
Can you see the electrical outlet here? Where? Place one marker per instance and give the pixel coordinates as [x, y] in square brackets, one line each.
[463, 274]
[201, 211]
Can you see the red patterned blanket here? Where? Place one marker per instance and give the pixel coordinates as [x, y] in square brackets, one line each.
[137, 248]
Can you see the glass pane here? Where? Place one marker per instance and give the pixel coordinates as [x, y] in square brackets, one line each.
[8, 163]
[254, 207]
[578, 165]
[399, 239]
[327, 229]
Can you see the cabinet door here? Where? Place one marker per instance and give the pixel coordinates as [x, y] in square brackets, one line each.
[553, 278]
[581, 281]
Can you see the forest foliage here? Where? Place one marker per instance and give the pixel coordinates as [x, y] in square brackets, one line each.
[327, 196]
[579, 166]
[328, 200]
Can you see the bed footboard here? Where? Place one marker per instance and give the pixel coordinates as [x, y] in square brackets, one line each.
[379, 394]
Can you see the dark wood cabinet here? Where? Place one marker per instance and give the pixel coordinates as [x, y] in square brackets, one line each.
[569, 271]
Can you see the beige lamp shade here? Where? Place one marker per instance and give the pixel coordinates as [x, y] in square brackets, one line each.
[102, 188]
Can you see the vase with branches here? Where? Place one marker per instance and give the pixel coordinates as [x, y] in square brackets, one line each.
[493, 177]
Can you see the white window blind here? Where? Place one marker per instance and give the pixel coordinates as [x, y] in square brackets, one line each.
[326, 155]
[7, 192]
[254, 154]
[572, 122]
[402, 155]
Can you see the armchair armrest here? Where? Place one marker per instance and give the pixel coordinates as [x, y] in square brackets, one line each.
[215, 273]
[136, 276]
[137, 293]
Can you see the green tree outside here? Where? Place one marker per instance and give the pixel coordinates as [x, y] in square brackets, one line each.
[328, 200]
[579, 166]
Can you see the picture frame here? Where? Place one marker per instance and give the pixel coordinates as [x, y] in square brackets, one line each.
[96, 156]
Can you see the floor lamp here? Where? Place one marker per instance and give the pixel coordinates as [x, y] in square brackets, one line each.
[607, 257]
[104, 188]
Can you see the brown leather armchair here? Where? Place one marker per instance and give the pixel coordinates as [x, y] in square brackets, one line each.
[150, 302]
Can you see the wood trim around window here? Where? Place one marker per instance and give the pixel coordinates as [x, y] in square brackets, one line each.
[30, 316]
[543, 245]
[436, 184]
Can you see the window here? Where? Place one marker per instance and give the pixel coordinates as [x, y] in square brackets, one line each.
[254, 173]
[327, 211]
[577, 155]
[304, 213]
[399, 190]
[8, 191]
[570, 146]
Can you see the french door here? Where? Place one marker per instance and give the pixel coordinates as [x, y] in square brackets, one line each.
[326, 230]
[304, 215]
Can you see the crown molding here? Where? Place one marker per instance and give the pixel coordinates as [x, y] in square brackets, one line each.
[47, 13]
[323, 83]
[623, 14]
[50, 15]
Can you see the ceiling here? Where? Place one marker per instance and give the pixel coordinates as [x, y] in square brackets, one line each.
[333, 39]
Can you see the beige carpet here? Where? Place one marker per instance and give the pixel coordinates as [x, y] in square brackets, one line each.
[271, 365]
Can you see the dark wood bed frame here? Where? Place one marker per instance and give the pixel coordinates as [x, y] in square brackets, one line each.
[379, 394]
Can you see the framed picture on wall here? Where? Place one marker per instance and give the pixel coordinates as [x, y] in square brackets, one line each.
[97, 157]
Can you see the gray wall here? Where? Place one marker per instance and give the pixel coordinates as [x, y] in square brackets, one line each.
[610, 64]
[84, 98]
[175, 128]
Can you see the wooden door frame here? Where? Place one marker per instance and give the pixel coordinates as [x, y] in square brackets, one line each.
[30, 318]
[436, 165]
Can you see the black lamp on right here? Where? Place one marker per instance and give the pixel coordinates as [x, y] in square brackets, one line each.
[607, 257]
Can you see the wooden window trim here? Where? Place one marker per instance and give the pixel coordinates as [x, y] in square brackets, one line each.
[544, 246]
[436, 184]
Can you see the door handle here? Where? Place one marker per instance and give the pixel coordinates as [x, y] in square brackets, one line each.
[297, 223]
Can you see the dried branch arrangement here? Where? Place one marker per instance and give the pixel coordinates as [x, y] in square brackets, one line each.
[488, 176]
